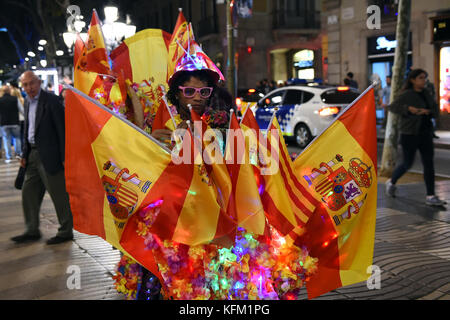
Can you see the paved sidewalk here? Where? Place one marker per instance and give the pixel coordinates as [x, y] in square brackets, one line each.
[412, 248]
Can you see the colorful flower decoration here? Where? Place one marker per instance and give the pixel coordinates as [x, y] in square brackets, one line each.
[255, 268]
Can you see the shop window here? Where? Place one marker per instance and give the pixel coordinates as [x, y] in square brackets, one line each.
[444, 76]
[304, 64]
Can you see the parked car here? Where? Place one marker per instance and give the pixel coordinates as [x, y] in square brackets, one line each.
[303, 111]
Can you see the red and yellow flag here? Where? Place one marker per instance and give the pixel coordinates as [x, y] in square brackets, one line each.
[340, 169]
[163, 118]
[180, 34]
[97, 59]
[287, 204]
[108, 187]
[245, 199]
[208, 149]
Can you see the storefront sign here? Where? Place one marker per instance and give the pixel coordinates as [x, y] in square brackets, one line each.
[383, 44]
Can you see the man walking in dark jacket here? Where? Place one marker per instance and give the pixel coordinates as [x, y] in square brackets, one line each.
[9, 123]
[43, 158]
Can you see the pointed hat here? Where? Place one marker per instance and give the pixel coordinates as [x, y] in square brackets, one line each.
[195, 59]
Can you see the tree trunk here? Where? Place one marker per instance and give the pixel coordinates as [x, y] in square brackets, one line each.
[401, 54]
[231, 85]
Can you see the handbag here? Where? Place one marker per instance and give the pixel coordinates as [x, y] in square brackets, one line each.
[20, 177]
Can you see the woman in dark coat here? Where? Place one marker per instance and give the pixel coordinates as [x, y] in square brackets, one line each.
[416, 109]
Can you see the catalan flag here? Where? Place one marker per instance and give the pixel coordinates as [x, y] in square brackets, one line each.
[287, 205]
[340, 169]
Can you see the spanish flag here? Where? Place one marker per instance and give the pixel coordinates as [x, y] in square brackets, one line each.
[97, 59]
[207, 146]
[142, 58]
[164, 119]
[106, 185]
[181, 34]
[340, 169]
[92, 72]
[245, 200]
[84, 80]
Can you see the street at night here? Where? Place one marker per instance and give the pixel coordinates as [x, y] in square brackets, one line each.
[141, 155]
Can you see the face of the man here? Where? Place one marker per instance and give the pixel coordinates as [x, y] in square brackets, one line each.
[388, 81]
[197, 102]
[31, 85]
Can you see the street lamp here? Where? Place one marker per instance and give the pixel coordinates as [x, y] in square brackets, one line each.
[69, 39]
[113, 30]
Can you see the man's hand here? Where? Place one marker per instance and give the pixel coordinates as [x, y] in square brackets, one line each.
[162, 135]
[418, 111]
[23, 162]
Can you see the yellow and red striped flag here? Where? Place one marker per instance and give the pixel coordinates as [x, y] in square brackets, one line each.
[340, 168]
[287, 204]
[302, 201]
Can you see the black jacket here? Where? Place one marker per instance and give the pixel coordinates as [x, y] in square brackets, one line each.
[49, 133]
[9, 111]
[411, 123]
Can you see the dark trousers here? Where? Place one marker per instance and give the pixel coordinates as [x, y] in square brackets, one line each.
[410, 144]
[37, 181]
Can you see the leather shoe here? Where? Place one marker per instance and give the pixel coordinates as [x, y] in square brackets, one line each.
[26, 238]
[58, 239]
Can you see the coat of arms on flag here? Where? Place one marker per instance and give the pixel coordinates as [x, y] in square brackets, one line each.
[119, 185]
[339, 186]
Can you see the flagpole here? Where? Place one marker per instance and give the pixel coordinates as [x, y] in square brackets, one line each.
[167, 106]
[98, 104]
[337, 118]
[273, 115]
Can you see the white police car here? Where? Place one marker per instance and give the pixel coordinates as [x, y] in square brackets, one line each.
[303, 111]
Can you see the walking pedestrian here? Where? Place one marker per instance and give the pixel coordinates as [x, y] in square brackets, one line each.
[9, 124]
[43, 158]
[416, 109]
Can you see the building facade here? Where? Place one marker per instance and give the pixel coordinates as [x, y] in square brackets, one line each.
[280, 40]
[353, 44]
